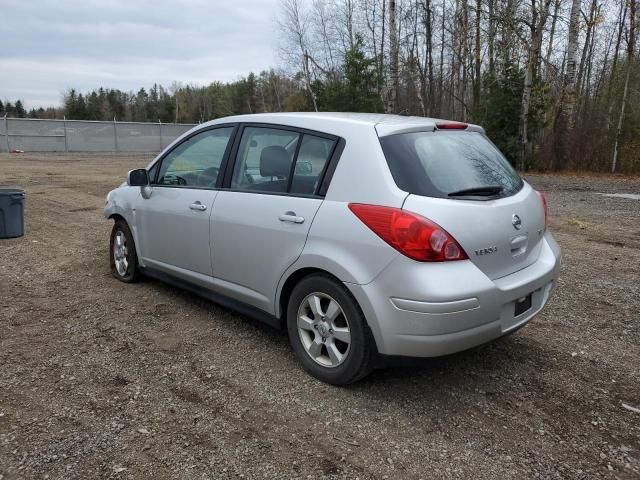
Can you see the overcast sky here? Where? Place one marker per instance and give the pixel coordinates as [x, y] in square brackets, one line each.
[48, 46]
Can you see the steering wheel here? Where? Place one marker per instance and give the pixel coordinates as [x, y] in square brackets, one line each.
[172, 179]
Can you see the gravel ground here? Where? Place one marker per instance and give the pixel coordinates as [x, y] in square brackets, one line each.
[105, 380]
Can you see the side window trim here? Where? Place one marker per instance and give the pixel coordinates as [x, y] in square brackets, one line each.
[156, 166]
[330, 167]
[233, 158]
[223, 165]
[326, 174]
[294, 162]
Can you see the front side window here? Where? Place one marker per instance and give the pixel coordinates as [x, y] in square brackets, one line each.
[264, 160]
[449, 165]
[196, 162]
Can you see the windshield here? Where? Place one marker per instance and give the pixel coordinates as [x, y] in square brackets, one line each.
[449, 164]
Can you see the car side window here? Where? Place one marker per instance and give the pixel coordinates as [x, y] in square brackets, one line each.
[264, 159]
[312, 158]
[196, 162]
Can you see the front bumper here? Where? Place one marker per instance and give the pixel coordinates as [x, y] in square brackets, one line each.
[428, 310]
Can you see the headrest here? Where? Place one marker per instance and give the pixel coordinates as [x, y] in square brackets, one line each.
[275, 162]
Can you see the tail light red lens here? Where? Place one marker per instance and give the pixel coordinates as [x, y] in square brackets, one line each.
[543, 200]
[412, 235]
[451, 126]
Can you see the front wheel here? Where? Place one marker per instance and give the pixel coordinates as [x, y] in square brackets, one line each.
[124, 261]
[328, 331]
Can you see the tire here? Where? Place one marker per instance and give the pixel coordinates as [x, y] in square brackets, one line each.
[124, 260]
[318, 339]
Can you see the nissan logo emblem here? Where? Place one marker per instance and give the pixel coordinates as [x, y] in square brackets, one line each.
[516, 222]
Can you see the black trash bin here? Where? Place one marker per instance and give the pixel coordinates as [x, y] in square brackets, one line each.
[11, 212]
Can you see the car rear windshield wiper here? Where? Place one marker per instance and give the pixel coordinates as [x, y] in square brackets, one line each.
[486, 191]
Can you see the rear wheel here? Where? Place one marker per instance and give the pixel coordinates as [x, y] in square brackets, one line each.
[328, 331]
[124, 261]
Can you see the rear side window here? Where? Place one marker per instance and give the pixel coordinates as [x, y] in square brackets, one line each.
[264, 159]
[448, 164]
[312, 158]
[280, 161]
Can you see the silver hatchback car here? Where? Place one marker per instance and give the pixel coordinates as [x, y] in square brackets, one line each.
[367, 237]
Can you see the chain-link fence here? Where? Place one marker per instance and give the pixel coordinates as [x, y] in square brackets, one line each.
[35, 135]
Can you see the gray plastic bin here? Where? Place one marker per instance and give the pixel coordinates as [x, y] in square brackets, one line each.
[11, 212]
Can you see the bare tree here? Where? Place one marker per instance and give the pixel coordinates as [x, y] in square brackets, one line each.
[477, 59]
[539, 15]
[394, 68]
[569, 103]
[631, 41]
[294, 24]
[554, 21]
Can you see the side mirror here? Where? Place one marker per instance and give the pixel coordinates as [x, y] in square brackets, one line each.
[138, 178]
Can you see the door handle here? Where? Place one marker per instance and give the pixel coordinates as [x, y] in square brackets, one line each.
[290, 217]
[198, 207]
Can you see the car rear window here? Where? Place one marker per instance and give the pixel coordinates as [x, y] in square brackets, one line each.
[444, 164]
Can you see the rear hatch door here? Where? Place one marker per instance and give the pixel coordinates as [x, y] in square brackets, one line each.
[460, 180]
[500, 236]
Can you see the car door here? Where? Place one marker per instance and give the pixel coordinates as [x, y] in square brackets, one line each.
[260, 223]
[174, 220]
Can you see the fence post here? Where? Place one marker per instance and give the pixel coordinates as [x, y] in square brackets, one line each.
[115, 133]
[66, 144]
[161, 142]
[6, 132]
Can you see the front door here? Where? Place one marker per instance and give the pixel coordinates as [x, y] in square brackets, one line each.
[260, 225]
[174, 221]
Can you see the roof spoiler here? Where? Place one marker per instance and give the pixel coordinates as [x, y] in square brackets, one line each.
[385, 129]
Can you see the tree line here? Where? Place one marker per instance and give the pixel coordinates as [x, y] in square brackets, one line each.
[555, 83]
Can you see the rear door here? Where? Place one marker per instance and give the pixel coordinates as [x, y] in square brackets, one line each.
[260, 223]
[462, 182]
[173, 222]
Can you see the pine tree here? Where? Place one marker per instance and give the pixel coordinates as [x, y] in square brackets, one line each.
[20, 112]
[94, 106]
[81, 108]
[70, 101]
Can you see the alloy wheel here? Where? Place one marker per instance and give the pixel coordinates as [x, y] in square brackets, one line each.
[120, 253]
[324, 329]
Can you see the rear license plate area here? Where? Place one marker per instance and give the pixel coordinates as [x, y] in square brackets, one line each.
[522, 305]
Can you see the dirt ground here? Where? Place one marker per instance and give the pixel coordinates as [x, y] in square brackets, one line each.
[99, 379]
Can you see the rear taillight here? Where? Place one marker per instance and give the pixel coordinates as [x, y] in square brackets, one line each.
[412, 235]
[545, 208]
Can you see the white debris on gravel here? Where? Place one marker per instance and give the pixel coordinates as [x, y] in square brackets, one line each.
[630, 196]
[629, 407]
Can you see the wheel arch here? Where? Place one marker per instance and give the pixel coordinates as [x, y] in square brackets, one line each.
[288, 285]
[293, 278]
[116, 217]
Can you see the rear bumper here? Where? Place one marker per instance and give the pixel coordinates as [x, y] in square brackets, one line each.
[428, 310]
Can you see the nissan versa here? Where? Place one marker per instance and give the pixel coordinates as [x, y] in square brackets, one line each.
[365, 236]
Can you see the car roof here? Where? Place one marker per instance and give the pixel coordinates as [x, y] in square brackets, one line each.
[384, 124]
